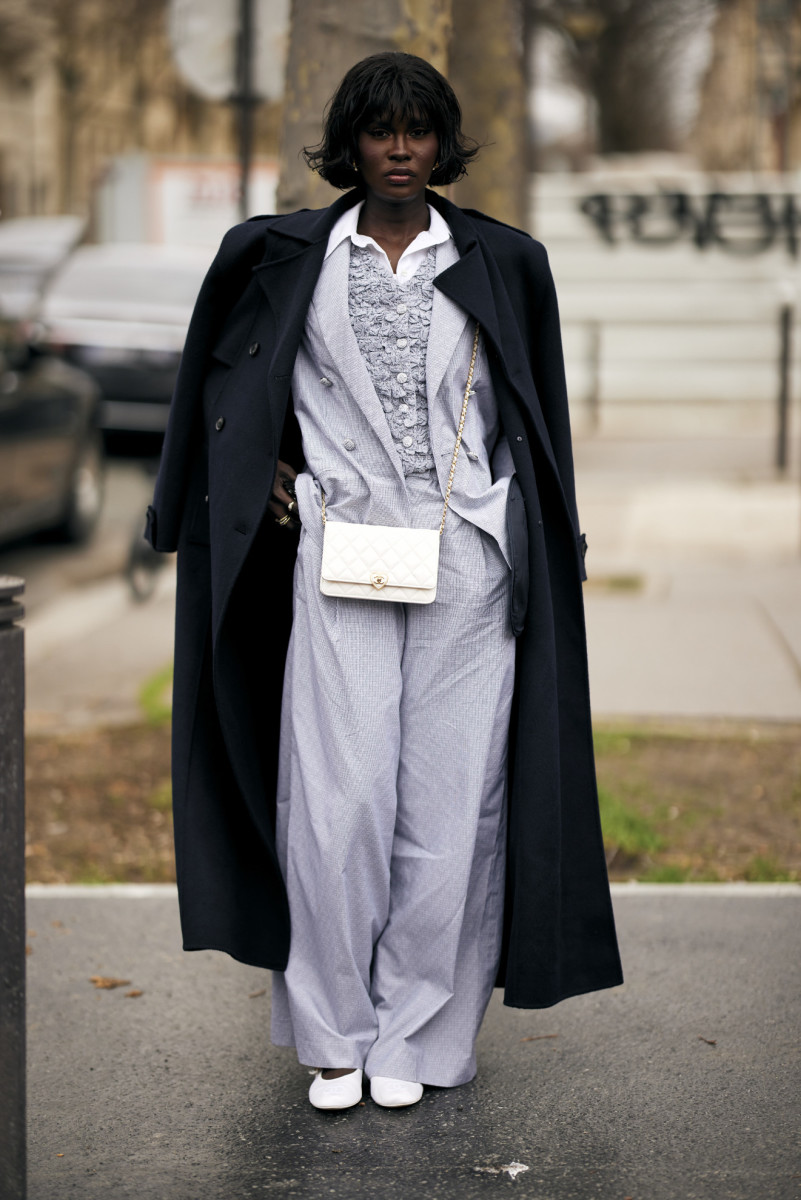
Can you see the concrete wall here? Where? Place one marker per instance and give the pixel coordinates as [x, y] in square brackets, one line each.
[663, 338]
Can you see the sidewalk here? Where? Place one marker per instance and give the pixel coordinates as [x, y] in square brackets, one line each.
[693, 599]
[683, 1084]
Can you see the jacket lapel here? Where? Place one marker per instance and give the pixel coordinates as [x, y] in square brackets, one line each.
[330, 307]
[448, 320]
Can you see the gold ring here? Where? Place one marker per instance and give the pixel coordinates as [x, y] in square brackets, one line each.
[283, 520]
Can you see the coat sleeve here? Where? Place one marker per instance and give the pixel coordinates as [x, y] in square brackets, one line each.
[548, 369]
[224, 283]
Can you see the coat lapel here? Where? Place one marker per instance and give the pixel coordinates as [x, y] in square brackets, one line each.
[330, 304]
[477, 287]
[288, 275]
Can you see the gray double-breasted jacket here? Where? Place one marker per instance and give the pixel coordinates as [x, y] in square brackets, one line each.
[231, 419]
[347, 439]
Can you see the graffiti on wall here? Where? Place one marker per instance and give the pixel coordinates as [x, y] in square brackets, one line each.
[739, 223]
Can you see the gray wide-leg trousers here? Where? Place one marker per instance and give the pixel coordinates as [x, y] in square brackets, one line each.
[391, 812]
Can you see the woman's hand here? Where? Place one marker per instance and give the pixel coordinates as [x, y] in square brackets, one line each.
[283, 503]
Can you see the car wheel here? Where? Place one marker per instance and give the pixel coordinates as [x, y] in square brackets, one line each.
[84, 502]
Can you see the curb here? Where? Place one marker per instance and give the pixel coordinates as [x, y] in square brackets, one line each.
[149, 891]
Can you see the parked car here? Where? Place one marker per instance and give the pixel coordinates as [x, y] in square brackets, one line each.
[31, 250]
[51, 450]
[121, 313]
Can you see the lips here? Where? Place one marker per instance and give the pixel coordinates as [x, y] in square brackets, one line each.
[399, 173]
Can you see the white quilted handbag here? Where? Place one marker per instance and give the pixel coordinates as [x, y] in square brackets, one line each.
[386, 562]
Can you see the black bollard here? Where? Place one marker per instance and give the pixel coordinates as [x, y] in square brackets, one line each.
[784, 391]
[12, 892]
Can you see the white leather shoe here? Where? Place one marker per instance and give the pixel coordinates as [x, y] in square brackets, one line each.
[343, 1092]
[394, 1093]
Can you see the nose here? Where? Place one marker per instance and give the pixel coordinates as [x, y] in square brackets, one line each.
[399, 148]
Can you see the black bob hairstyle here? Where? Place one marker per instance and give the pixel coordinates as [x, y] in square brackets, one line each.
[379, 87]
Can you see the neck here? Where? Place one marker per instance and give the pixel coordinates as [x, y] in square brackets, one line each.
[393, 220]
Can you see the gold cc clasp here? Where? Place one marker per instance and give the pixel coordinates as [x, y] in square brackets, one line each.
[378, 581]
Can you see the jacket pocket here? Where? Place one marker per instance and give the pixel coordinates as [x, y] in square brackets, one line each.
[517, 531]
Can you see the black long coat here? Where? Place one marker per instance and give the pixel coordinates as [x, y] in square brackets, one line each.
[231, 419]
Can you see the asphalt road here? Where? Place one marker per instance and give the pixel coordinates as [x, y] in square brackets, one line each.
[51, 570]
[683, 1084]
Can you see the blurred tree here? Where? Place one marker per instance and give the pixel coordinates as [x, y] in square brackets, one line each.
[326, 38]
[750, 111]
[625, 55]
[487, 72]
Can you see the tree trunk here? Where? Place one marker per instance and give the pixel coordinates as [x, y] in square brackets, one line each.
[326, 39]
[487, 73]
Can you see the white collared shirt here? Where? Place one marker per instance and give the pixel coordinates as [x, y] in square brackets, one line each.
[414, 254]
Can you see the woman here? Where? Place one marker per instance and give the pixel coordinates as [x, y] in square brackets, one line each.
[427, 820]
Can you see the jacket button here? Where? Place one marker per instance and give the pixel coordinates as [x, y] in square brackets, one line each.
[349, 444]
[326, 382]
[254, 349]
[519, 438]
[218, 424]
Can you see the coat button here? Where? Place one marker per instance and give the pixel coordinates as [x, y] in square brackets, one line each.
[407, 441]
[349, 445]
[326, 382]
[254, 349]
[519, 438]
[400, 308]
[471, 454]
[401, 377]
[218, 424]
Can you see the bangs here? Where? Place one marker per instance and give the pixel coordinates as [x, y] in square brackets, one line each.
[384, 99]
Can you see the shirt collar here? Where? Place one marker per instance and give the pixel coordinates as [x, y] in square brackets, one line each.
[437, 232]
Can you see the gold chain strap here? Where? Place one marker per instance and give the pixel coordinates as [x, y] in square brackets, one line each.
[468, 386]
[459, 433]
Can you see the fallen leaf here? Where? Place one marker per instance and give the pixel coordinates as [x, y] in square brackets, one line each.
[361, 1104]
[60, 1155]
[253, 995]
[31, 933]
[133, 993]
[512, 1169]
[104, 981]
[28, 949]
[336, 1151]
[539, 1037]
[709, 1041]
[57, 924]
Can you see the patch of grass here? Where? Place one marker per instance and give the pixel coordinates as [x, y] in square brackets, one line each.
[161, 798]
[155, 697]
[616, 583]
[624, 828]
[606, 741]
[765, 869]
[665, 873]
[94, 873]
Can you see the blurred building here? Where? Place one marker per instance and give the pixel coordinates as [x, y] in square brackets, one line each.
[83, 82]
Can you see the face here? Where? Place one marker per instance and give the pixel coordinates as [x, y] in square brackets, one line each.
[396, 157]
